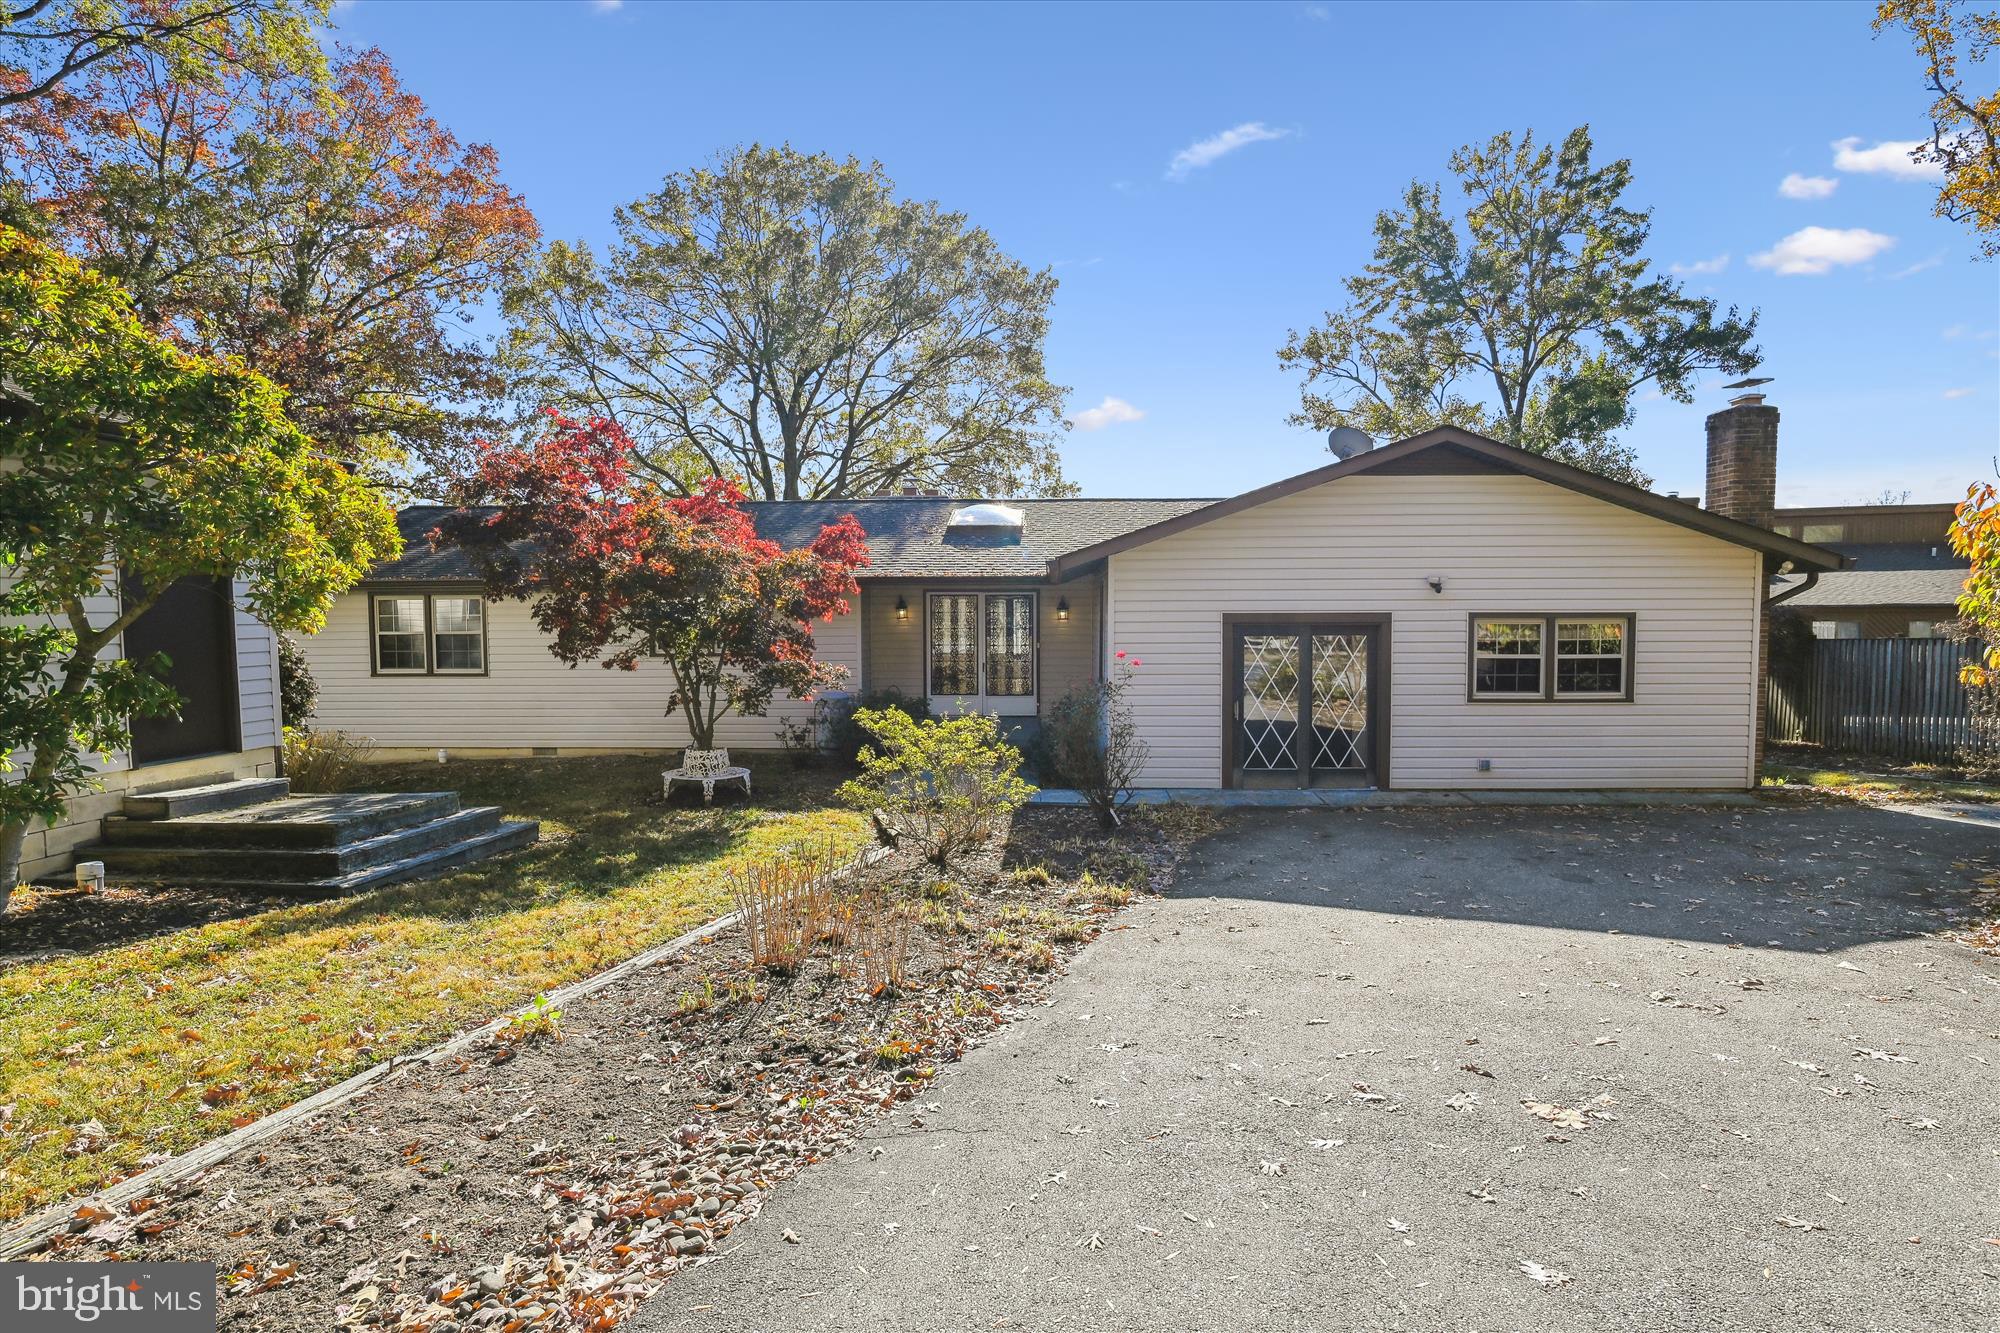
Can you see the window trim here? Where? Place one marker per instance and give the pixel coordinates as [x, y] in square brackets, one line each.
[430, 622]
[1472, 690]
[1548, 692]
[427, 595]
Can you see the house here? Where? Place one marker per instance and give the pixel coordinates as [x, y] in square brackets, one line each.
[225, 666]
[1441, 612]
[1905, 578]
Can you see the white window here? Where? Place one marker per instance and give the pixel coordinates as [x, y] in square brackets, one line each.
[1825, 532]
[1836, 629]
[1551, 657]
[429, 634]
[1507, 659]
[458, 630]
[1923, 629]
[399, 635]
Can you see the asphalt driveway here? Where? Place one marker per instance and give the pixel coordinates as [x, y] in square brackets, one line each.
[1302, 1093]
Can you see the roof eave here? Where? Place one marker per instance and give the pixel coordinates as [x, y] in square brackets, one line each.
[1782, 548]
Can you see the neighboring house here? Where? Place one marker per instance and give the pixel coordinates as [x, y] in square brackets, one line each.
[1905, 579]
[1442, 612]
[225, 666]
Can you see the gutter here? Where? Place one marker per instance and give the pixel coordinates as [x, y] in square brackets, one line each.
[1812, 577]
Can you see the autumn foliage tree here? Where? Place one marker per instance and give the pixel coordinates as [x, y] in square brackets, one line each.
[617, 572]
[128, 463]
[1954, 39]
[315, 221]
[1975, 534]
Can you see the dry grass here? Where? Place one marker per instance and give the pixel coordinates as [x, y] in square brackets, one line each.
[787, 904]
[170, 1040]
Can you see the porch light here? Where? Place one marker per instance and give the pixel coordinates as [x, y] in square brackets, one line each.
[1062, 608]
[902, 609]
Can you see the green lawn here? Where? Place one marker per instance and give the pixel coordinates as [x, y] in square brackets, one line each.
[167, 1041]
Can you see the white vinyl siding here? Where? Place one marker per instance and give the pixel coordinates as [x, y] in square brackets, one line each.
[526, 699]
[256, 674]
[1502, 544]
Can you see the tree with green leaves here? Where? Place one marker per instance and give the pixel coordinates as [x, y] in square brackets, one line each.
[1533, 318]
[47, 44]
[783, 320]
[128, 463]
[1952, 37]
[317, 222]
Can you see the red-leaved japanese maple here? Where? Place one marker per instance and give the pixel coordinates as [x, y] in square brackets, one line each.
[617, 572]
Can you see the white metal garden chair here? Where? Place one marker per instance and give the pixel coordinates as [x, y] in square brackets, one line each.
[707, 767]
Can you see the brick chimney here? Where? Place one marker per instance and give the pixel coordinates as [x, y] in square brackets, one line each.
[1743, 460]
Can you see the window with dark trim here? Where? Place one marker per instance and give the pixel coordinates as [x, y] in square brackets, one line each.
[399, 636]
[982, 645]
[427, 634]
[1563, 658]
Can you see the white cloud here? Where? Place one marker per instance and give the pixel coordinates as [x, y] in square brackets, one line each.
[1796, 186]
[1107, 413]
[1917, 267]
[607, 6]
[1816, 250]
[1203, 152]
[1319, 13]
[1958, 393]
[1715, 265]
[1891, 157]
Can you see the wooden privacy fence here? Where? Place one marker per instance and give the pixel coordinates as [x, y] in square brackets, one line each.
[1896, 697]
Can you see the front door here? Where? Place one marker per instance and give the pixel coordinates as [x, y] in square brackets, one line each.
[192, 623]
[982, 652]
[1305, 711]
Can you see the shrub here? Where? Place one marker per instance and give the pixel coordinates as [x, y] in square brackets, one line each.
[324, 760]
[1093, 743]
[876, 952]
[298, 692]
[946, 785]
[787, 905]
[845, 733]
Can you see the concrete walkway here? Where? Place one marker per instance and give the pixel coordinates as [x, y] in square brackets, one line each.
[1292, 1096]
[1372, 798]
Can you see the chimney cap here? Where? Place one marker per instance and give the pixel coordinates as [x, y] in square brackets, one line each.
[1746, 400]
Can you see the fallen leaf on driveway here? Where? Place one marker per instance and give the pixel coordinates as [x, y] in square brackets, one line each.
[1400, 1228]
[1556, 1115]
[1889, 1056]
[1547, 1277]
[1799, 1224]
[1271, 1168]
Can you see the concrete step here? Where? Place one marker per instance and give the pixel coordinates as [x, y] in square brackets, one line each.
[510, 836]
[295, 822]
[180, 802]
[204, 864]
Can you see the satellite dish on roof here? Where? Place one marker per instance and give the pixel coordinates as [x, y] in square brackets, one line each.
[1344, 442]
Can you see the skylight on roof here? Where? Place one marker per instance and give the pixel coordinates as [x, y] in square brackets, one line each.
[987, 514]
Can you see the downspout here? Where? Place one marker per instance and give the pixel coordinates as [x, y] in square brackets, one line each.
[1764, 645]
[1772, 599]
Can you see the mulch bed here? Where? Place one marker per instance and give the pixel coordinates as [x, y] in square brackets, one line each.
[554, 1182]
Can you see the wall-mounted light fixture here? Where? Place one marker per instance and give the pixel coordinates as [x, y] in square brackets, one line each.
[1437, 582]
[902, 609]
[1062, 608]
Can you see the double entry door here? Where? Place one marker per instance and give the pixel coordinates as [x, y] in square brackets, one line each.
[1305, 710]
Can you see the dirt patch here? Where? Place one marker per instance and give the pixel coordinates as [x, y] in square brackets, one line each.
[553, 1180]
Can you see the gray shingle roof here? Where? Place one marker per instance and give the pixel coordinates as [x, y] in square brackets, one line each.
[1888, 575]
[907, 536]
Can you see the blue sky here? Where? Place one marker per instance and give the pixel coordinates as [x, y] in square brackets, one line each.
[1058, 128]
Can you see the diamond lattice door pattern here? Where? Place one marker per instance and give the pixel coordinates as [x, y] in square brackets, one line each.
[1304, 705]
[1270, 701]
[1340, 701]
